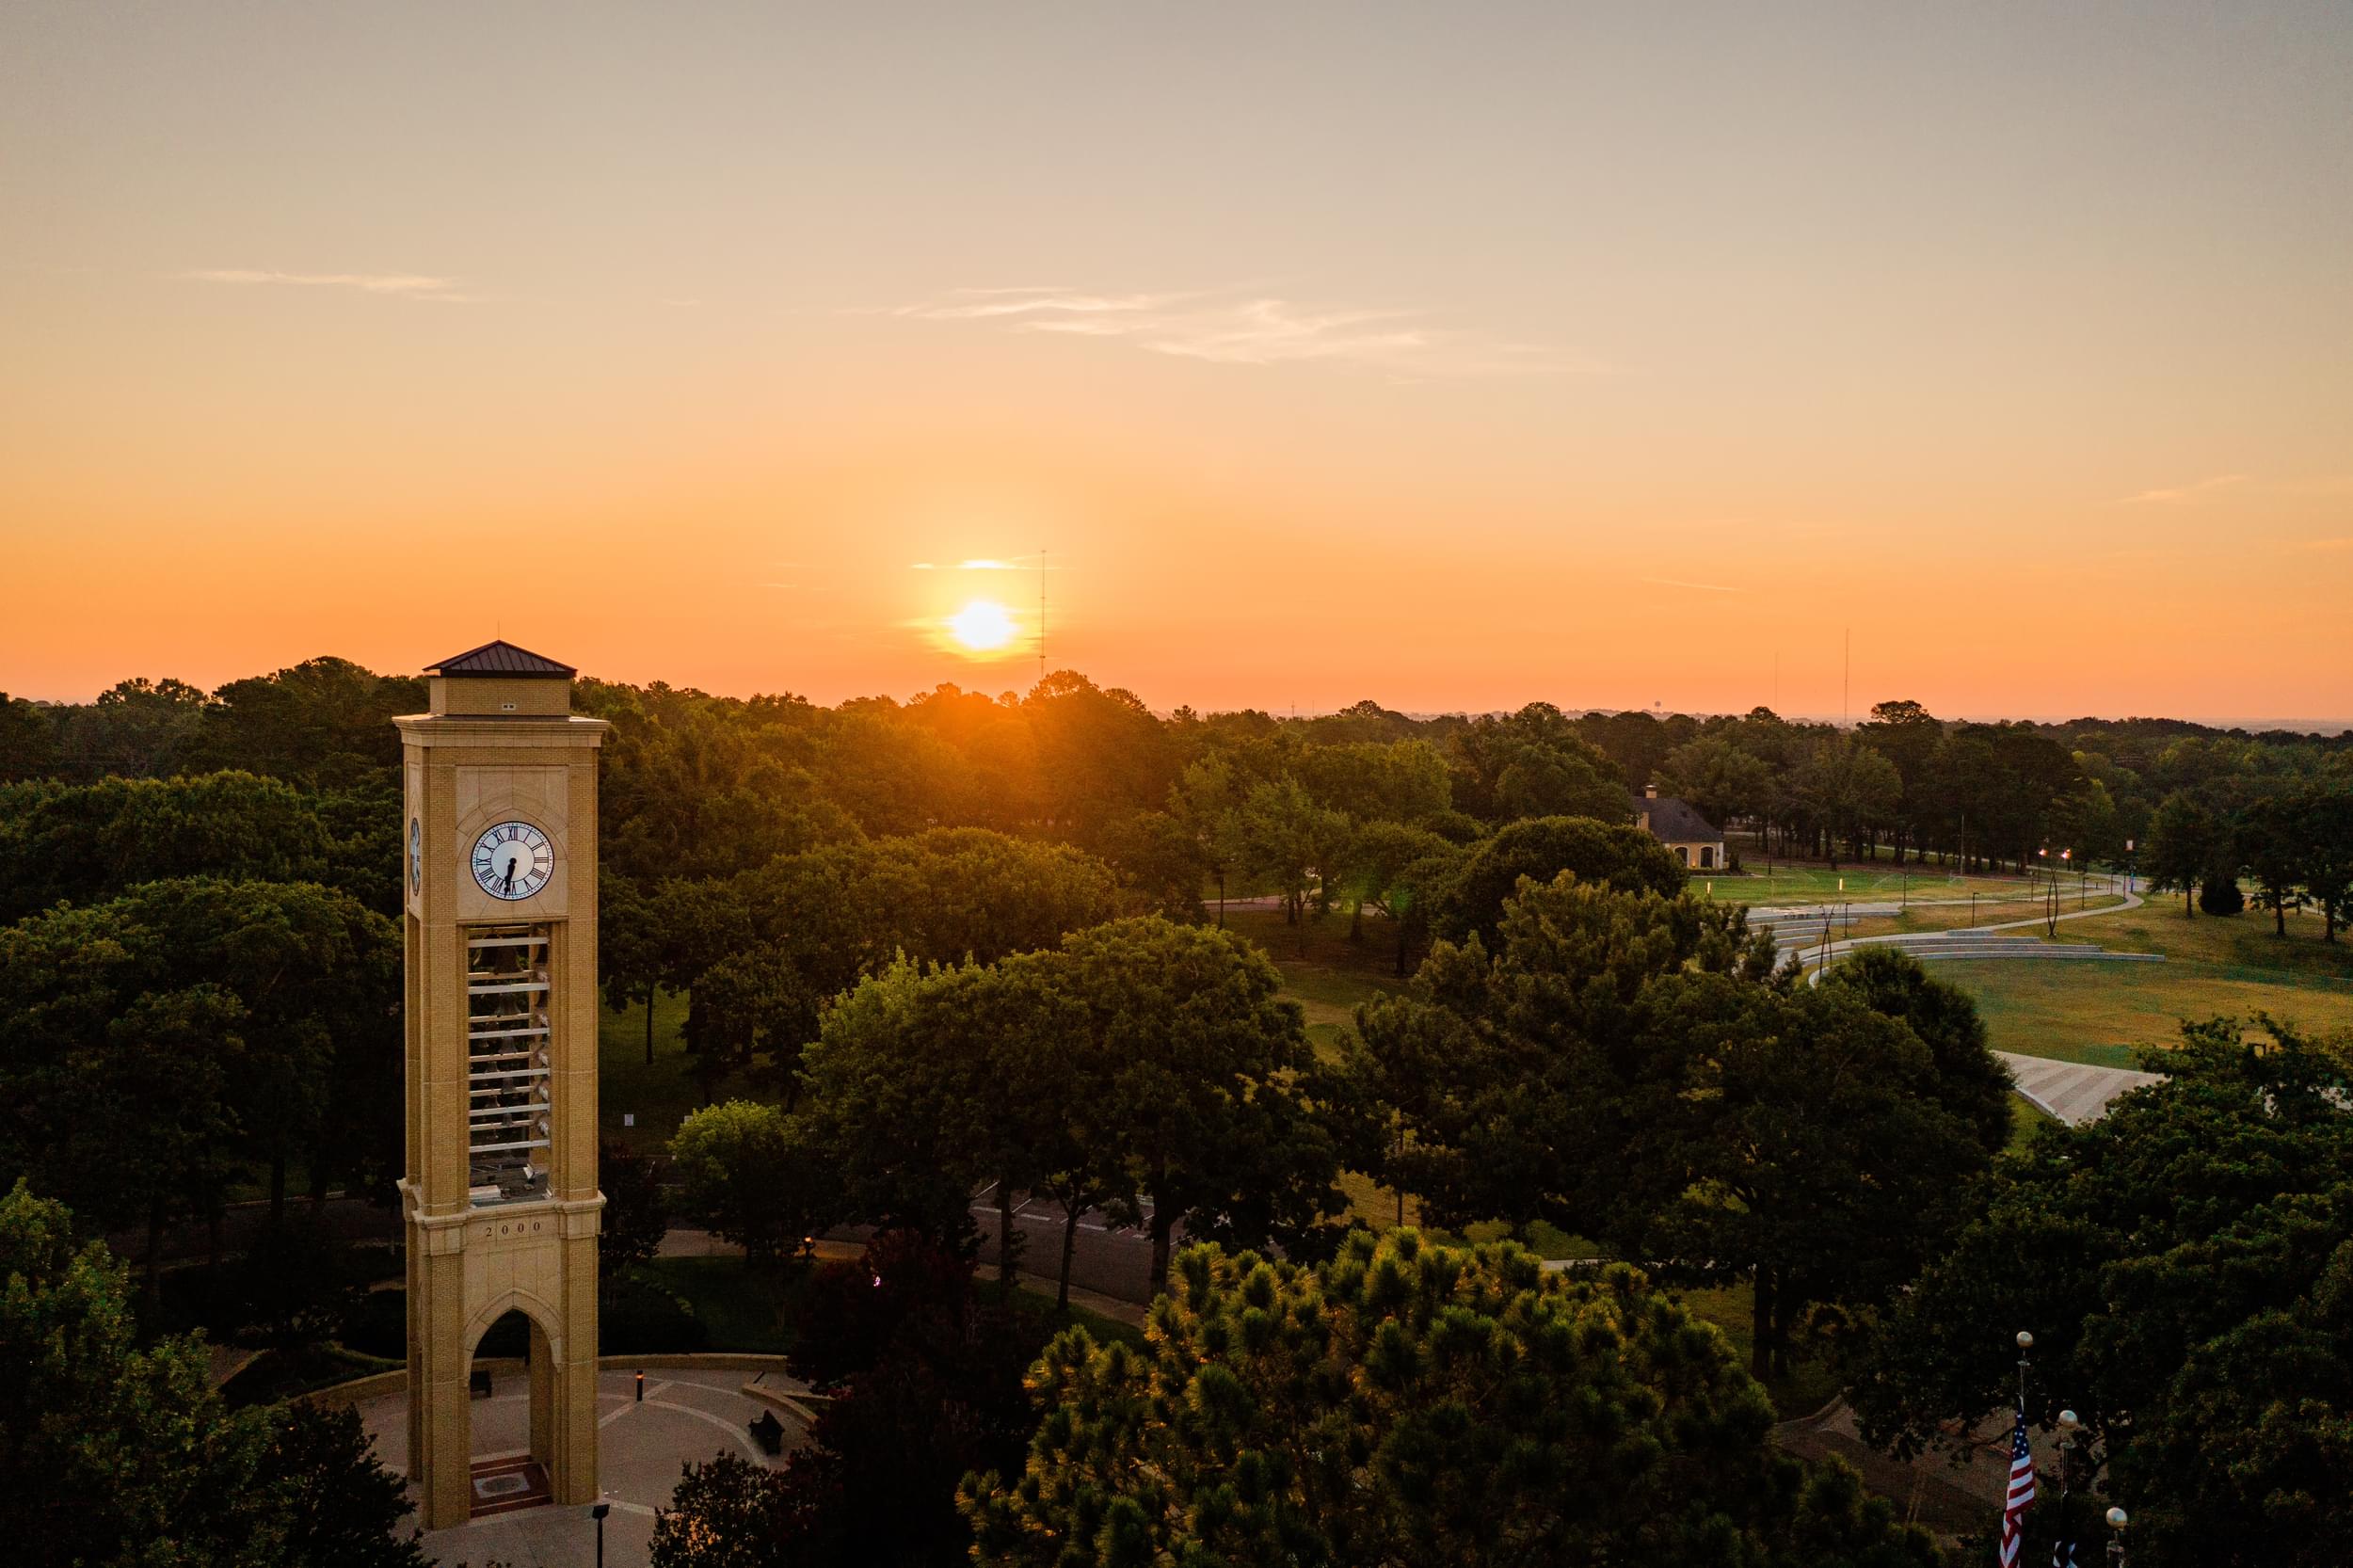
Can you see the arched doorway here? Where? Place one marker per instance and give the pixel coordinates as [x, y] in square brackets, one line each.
[516, 1417]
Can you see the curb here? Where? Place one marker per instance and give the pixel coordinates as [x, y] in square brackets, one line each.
[379, 1385]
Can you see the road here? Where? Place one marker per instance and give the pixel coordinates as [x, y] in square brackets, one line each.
[1108, 1259]
[1823, 956]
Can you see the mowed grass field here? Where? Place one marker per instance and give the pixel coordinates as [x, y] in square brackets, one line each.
[2107, 1013]
[1856, 883]
[659, 1097]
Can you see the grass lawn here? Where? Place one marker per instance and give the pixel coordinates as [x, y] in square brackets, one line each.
[2104, 1013]
[752, 1310]
[2025, 1119]
[1808, 1386]
[740, 1307]
[1850, 884]
[281, 1374]
[1038, 1311]
[1957, 916]
[660, 1095]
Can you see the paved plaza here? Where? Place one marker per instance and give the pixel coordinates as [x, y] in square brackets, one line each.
[2074, 1093]
[685, 1416]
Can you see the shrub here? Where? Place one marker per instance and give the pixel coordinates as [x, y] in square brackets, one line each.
[2219, 894]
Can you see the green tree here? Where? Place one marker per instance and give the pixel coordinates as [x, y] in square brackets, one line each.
[28, 740]
[1971, 1080]
[1795, 1139]
[1628, 1067]
[136, 728]
[1490, 1063]
[1205, 803]
[628, 949]
[1849, 790]
[1409, 1404]
[1398, 781]
[1907, 734]
[1290, 841]
[2185, 1264]
[2324, 829]
[2272, 844]
[1399, 870]
[1604, 854]
[323, 721]
[1204, 1082]
[2183, 839]
[115, 1454]
[316, 981]
[89, 842]
[1533, 763]
[751, 1174]
[1158, 860]
[927, 1083]
[2219, 893]
[1719, 779]
[340, 1505]
[636, 1215]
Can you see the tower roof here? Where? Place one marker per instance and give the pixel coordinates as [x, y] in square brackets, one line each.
[501, 658]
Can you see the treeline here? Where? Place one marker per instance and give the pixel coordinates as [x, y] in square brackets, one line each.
[703, 787]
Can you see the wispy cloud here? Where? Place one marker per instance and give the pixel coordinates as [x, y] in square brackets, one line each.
[1231, 327]
[1703, 587]
[988, 566]
[2181, 495]
[403, 285]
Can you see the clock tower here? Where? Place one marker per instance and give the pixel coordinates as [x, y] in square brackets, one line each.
[500, 1200]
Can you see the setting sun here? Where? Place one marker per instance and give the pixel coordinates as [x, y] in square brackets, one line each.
[983, 626]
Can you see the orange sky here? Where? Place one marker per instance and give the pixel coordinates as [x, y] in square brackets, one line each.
[1453, 357]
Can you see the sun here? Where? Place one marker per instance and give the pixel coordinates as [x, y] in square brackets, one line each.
[983, 625]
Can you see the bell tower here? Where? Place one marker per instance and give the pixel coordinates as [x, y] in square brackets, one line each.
[499, 1199]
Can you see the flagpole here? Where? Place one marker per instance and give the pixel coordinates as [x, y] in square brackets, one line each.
[2020, 1494]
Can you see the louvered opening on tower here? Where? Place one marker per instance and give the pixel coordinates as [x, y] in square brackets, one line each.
[510, 1081]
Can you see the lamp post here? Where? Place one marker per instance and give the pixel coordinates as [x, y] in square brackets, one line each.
[2070, 1439]
[2118, 1519]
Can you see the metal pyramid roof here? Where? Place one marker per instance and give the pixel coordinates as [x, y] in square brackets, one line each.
[501, 658]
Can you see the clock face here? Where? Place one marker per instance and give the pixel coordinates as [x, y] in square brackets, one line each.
[513, 860]
[416, 855]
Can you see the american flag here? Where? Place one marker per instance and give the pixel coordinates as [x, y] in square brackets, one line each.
[2021, 1493]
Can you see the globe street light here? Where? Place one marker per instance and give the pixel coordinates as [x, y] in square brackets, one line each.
[2118, 1519]
[2071, 1440]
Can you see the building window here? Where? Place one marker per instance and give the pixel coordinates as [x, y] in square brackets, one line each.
[1707, 857]
[509, 1081]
